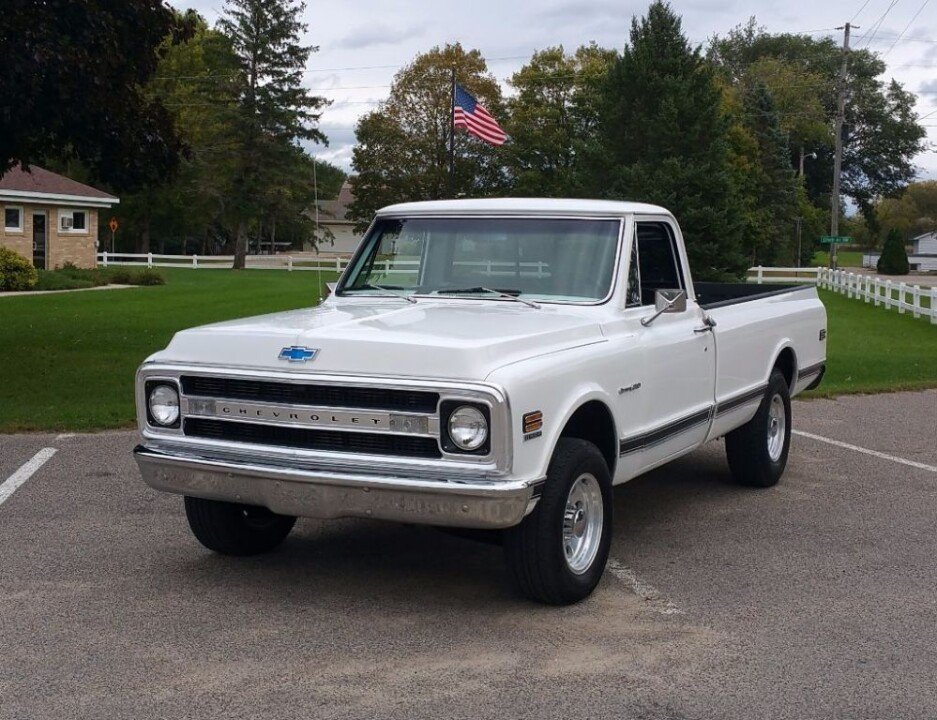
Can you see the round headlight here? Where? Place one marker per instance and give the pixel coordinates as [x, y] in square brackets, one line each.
[164, 404]
[468, 428]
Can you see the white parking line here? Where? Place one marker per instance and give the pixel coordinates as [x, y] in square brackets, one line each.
[650, 594]
[866, 451]
[13, 482]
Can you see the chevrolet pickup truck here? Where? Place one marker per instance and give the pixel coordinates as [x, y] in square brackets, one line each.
[491, 364]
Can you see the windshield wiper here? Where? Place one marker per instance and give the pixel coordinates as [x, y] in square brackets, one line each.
[389, 289]
[506, 294]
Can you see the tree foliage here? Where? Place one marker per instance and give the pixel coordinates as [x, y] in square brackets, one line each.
[664, 138]
[553, 120]
[882, 135]
[72, 79]
[275, 109]
[199, 82]
[403, 146]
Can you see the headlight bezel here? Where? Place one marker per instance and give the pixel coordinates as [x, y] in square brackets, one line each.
[448, 408]
[149, 388]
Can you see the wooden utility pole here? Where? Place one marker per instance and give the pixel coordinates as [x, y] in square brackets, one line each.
[838, 157]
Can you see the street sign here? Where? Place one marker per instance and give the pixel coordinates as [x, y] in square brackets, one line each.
[113, 224]
[835, 239]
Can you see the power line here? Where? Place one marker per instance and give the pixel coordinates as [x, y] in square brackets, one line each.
[859, 12]
[877, 24]
[910, 23]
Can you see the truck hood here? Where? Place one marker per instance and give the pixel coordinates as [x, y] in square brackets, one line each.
[450, 339]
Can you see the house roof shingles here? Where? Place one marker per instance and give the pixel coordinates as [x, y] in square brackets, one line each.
[337, 210]
[45, 182]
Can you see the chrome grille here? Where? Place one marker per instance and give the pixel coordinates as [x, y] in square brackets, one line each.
[230, 388]
[309, 439]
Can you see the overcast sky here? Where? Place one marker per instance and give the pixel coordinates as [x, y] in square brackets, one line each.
[363, 42]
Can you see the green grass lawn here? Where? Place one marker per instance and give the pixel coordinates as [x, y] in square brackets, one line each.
[68, 360]
[871, 349]
[844, 259]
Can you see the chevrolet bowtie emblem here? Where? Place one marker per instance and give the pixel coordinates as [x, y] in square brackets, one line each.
[298, 353]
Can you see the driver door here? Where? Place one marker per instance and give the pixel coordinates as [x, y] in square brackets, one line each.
[678, 383]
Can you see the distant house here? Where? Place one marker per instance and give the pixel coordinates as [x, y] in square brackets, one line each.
[921, 258]
[50, 219]
[333, 215]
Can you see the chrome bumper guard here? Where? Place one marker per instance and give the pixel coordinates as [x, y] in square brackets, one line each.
[323, 493]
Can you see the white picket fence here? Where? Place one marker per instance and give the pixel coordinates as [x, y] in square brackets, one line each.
[223, 262]
[396, 266]
[883, 292]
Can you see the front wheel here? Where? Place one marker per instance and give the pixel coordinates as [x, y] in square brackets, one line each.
[757, 451]
[234, 529]
[557, 554]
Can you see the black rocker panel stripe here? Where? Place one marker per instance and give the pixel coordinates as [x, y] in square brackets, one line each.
[810, 370]
[740, 400]
[662, 434]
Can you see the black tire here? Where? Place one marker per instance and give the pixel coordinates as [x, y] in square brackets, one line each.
[233, 529]
[535, 548]
[747, 450]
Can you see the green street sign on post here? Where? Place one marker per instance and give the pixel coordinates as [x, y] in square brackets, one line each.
[835, 239]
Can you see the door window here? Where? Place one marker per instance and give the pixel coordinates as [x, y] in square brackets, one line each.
[655, 263]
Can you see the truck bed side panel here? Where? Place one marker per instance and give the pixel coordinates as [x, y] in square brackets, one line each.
[750, 336]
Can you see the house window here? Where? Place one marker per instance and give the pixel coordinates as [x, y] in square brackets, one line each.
[13, 219]
[73, 221]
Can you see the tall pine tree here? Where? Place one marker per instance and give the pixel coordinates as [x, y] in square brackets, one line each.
[664, 139]
[774, 196]
[275, 109]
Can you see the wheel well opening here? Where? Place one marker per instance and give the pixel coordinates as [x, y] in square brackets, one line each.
[786, 364]
[593, 422]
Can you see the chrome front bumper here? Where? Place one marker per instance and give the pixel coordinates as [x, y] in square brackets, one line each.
[332, 494]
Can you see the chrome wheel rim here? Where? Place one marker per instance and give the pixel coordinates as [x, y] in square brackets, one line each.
[582, 523]
[777, 428]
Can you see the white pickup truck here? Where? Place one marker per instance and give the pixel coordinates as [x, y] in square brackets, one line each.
[494, 364]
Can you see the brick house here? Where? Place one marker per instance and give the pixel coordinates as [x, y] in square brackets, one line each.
[50, 219]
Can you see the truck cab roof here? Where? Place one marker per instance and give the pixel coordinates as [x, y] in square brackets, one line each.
[523, 206]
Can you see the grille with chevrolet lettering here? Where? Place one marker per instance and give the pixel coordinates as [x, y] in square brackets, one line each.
[303, 394]
[328, 440]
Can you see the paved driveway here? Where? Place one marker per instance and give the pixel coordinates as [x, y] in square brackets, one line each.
[814, 599]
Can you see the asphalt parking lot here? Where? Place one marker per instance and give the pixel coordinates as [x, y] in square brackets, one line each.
[814, 599]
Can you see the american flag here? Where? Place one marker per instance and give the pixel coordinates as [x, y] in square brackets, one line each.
[468, 113]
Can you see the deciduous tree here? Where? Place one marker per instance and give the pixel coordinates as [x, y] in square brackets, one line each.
[71, 86]
[402, 152]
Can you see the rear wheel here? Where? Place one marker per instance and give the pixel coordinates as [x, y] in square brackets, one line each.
[757, 451]
[557, 554]
[234, 529]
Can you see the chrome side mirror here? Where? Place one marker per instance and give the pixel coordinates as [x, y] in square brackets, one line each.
[666, 301]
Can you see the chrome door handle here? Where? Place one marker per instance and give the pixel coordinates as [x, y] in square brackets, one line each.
[708, 324]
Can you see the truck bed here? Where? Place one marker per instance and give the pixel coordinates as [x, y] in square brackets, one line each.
[716, 294]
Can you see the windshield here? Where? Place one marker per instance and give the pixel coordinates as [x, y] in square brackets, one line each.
[538, 259]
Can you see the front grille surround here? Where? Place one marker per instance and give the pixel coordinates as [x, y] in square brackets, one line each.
[416, 457]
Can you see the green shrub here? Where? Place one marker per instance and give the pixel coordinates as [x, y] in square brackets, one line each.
[148, 277]
[87, 275]
[134, 276]
[57, 280]
[120, 276]
[16, 272]
[894, 258]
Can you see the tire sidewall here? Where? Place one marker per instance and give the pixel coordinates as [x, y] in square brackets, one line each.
[777, 385]
[579, 458]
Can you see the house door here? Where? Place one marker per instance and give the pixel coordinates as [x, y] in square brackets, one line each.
[39, 240]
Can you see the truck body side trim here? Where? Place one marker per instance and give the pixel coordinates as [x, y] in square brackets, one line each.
[664, 433]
